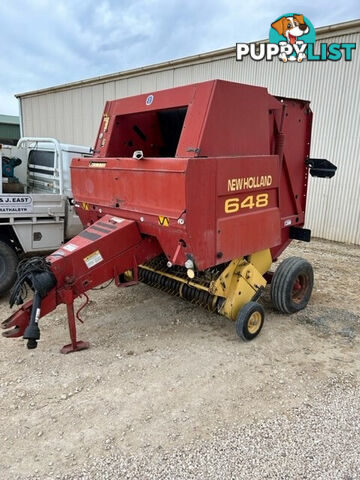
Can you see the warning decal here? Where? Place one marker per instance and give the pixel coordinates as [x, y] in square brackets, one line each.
[70, 247]
[163, 221]
[85, 206]
[93, 259]
[97, 164]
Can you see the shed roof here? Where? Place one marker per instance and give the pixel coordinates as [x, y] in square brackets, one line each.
[10, 119]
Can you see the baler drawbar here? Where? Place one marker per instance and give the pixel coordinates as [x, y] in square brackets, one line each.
[195, 190]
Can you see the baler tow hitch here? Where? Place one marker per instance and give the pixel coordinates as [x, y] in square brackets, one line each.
[54, 282]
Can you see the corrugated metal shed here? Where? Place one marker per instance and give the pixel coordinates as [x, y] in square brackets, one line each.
[9, 129]
[71, 113]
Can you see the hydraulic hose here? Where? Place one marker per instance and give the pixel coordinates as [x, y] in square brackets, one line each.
[32, 332]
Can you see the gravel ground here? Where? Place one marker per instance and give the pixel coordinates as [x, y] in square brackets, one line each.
[295, 445]
[167, 391]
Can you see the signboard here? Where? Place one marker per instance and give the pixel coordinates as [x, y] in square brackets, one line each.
[16, 204]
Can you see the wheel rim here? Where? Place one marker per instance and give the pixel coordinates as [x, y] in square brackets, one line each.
[300, 287]
[254, 322]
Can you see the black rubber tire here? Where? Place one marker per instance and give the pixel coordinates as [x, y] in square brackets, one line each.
[292, 284]
[8, 264]
[242, 321]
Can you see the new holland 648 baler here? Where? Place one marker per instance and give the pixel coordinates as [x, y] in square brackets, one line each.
[195, 190]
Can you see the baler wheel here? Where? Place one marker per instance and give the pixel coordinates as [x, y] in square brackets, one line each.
[292, 285]
[250, 320]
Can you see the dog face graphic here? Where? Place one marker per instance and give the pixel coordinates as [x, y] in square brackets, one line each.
[291, 27]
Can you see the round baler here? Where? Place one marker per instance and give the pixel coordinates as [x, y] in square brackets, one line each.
[195, 190]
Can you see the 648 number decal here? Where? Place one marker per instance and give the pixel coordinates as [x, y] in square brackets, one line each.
[233, 205]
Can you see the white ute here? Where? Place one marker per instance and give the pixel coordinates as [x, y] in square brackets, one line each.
[36, 209]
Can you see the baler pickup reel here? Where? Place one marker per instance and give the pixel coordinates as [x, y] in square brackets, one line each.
[195, 190]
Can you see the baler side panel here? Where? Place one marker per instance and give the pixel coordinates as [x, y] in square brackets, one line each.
[248, 216]
[248, 109]
[201, 217]
[153, 186]
[248, 233]
[190, 138]
[294, 173]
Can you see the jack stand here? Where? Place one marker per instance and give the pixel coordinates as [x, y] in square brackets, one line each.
[75, 345]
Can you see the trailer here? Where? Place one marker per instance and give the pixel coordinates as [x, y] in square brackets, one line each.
[196, 190]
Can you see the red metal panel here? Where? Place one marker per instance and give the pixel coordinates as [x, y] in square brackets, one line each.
[296, 148]
[117, 235]
[201, 211]
[237, 121]
[153, 186]
[247, 205]
[250, 233]
[232, 173]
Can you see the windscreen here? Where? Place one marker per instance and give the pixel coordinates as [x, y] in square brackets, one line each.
[41, 170]
[40, 161]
